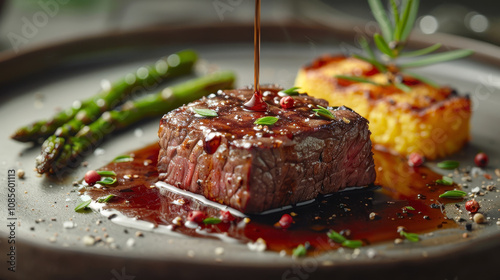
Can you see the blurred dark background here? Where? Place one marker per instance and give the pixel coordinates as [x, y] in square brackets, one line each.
[28, 23]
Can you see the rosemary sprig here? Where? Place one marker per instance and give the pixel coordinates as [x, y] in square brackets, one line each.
[422, 79]
[359, 79]
[423, 51]
[395, 29]
[436, 58]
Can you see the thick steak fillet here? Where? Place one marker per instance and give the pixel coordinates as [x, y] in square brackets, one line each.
[253, 168]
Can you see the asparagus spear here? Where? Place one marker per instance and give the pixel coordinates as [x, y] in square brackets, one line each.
[76, 147]
[68, 122]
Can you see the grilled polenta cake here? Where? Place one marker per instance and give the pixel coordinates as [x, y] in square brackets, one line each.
[424, 119]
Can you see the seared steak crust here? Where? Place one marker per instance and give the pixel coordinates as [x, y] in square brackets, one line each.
[254, 168]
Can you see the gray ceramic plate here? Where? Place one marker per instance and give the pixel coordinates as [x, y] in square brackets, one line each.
[39, 81]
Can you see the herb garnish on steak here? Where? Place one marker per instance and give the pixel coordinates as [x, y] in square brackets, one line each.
[253, 167]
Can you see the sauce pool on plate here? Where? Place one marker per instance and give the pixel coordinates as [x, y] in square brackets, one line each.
[402, 196]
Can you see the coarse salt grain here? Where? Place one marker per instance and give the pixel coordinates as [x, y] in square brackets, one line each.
[177, 221]
[371, 253]
[99, 152]
[138, 132]
[130, 242]
[88, 240]
[398, 241]
[478, 218]
[219, 251]
[69, 224]
[259, 245]
[476, 171]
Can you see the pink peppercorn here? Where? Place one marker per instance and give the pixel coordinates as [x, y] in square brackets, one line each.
[472, 206]
[415, 160]
[196, 216]
[287, 102]
[226, 216]
[91, 177]
[285, 221]
[481, 159]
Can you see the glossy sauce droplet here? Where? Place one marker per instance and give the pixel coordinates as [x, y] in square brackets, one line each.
[211, 143]
[256, 103]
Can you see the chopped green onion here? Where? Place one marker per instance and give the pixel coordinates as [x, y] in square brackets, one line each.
[339, 238]
[83, 206]
[106, 181]
[353, 244]
[299, 251]
[105, 199]
[453, 194]
[409, 208]
[412, 237]
[448, 164]
[212, 221]
[106, 173]
[266, 120]
[323, 112]
[123, 158]
[205, 112]
[336, 237]
[447, 181]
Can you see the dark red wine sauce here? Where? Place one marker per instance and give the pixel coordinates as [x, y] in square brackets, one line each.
[403, 196]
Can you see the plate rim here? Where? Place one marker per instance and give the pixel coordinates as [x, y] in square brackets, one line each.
[55, 54]
[484, 51]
